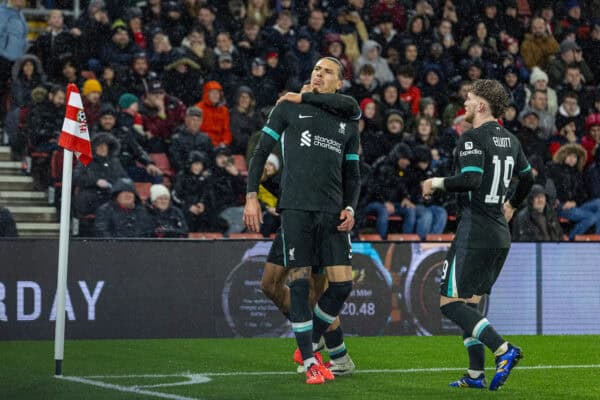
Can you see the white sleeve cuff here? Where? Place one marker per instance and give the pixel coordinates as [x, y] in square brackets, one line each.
[437, 183]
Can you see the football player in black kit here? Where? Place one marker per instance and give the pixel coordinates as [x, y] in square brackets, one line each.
[320, 188]
[488, 156]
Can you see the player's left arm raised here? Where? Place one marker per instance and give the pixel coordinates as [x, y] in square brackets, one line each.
[350, 178]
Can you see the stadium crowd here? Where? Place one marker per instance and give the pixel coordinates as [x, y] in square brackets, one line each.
[176, 92]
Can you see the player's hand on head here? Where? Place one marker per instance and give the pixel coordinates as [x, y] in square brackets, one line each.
[347, 219]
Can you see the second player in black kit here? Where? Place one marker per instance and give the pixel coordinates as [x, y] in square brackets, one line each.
[487, 159]
[320, 185]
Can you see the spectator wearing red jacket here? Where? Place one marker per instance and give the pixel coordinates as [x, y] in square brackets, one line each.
[215, 115]
[409, 93]
[393, 9]
[592, 138]
[161, 115]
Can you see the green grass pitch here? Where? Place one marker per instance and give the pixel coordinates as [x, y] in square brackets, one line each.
[554, 367]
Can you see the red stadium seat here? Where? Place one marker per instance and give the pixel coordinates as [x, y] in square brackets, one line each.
[248, 235]
[162, 162]
[370, 237]
[143, 190]
[404, 237]
[205, 235]
[442, 237]
[587, 238]
[239, 161]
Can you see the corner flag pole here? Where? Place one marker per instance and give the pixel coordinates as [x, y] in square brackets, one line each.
[63, 262]
[74, 137]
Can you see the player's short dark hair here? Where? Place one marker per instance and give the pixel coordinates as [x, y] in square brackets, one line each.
[494, 93]
[341, 70]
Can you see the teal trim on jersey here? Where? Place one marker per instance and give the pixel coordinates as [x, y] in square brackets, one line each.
[351, 157]
[337, 350]
[283, 244]
[302, 326]
[526, 169]
[282, 149]
[451, 280]
[481, 325]
[271, 133]
[322, 315]
[472, 169]
[471, 342]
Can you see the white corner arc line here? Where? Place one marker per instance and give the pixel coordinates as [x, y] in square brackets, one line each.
[128, 389]
[359, 371]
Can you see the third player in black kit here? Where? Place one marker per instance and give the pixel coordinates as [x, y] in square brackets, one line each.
[487, 157]
[320, 185]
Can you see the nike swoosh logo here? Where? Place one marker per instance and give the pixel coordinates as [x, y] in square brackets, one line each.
[304, 116]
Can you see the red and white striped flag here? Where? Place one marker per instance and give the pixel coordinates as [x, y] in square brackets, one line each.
[74, 135]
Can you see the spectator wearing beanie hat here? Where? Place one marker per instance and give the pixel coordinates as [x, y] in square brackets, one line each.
[120, 49]
[268, 195]
[538, 80]
[162, 113]
[215, 115]
[591, 140]
[166, 219]
[574, 21]
[91, 91]
[129, 115]
[510, 80]
[570, 53]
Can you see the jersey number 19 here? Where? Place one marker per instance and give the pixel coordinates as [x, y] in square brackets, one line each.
[505, 171]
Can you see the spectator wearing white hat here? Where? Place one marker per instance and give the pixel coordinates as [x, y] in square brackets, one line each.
[268, 195]
[167, 220]
[538, 80]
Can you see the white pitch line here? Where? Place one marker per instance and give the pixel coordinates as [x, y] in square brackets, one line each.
[360, 371]
[128, 389]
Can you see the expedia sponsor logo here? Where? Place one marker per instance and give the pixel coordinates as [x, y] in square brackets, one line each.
[470, 152]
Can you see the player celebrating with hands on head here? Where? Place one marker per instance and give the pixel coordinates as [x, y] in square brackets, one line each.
[320, 188]
[488, 157]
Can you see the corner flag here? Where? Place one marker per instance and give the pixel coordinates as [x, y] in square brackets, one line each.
[74, 138]
[74, 135]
